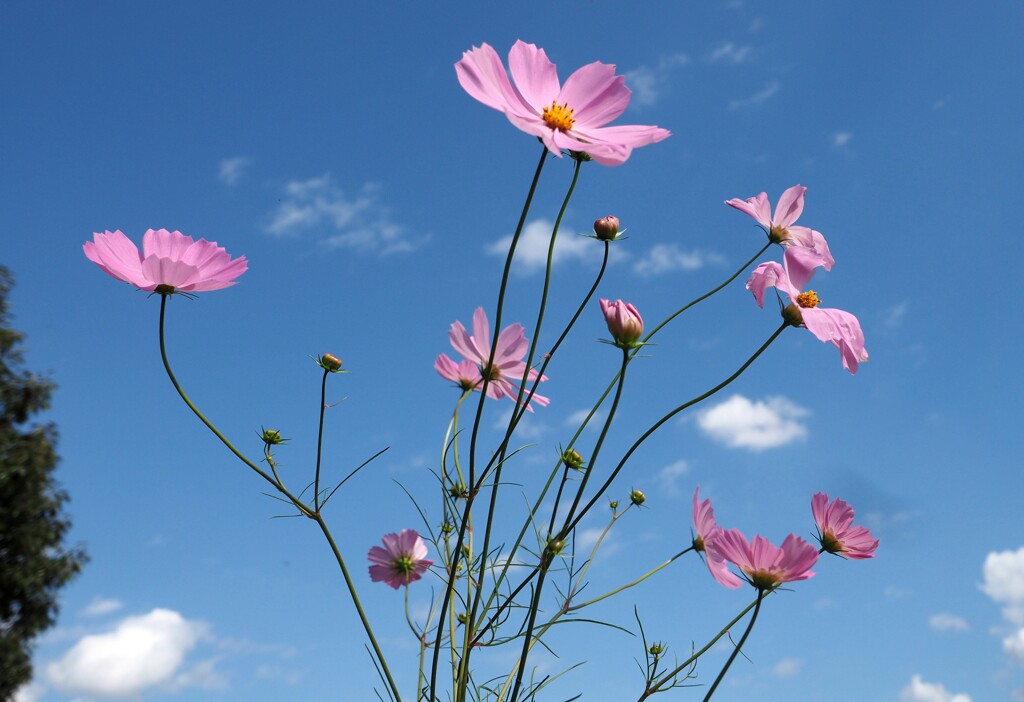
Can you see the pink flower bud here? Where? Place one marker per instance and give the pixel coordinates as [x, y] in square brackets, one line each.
[607, 228]
[624, 322]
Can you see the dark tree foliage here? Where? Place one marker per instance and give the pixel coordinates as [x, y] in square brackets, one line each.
[34, 562]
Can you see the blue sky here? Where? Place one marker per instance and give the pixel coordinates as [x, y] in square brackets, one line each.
[335, 149]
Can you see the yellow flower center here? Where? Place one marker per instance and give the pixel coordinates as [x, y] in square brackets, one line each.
[808, 299]
[559, 116]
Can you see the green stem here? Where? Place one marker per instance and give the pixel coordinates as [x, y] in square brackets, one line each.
[736, 651]
[639, 580]
[320, 441]
[315, 516]
[453, 571]
[700, 398]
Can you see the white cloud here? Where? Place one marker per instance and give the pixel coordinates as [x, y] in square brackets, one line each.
[577, 418]
[232, 169]
[359, 222]
[1004, 576]
[100, 606]
[944, 621]
[841, 139]
[586, 539]
[787, 667]
[740, 423]
[664, 258]
[29, 693]
[765, 94]
[729, 53]
[649, 83]
[141, 652]
[920, 691]
[1014, 646]
[532, 247]
[668, 477]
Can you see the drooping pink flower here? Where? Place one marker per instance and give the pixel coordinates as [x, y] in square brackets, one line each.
[836, 327]
[809, 246]
[170, 261]
[507, 370]
[401, 561]
[707, 530]
[624, 322]
[570, 116]
[764, 564]
[836, 532]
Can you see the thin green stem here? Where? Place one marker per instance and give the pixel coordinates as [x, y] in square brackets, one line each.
[320, 440]
[700, 398]
[736, 651]
[457, 551]
[303, 508]
[639, 580]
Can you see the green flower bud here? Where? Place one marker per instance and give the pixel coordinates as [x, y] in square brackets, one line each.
[637, 497]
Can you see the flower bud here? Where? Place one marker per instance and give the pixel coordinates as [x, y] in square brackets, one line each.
[573, 459]
[330, 363]
[607, 228]
[624, 322]
[272, 437]
[656, 649]
[614, 504]
[637, 497]
[458, 490]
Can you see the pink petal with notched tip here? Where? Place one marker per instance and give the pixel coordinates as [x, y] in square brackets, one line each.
[595, 94]
[839, 328]
[757, 207]
[117, 256]
[536, 78]
[789, 207]
[482, 75]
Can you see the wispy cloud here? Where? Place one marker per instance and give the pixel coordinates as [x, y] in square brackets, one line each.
[232, 169]
[532, 247]
[360, 223]
[576, 419]
[764, 94]
[894, 315]
[666, 258]
[100, 606]
[741, 423]
[649, 83]
[138, 654]
[920, 691]
[787, 668]
[668, 477]
[727, 52]
[841, 139]
[944, 621]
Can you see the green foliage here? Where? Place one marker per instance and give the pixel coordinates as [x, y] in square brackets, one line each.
[34, 563]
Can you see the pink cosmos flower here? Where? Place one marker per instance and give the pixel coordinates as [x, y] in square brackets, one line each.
[168, 260]
[809, 247]
[839, 328]
[836, 532]
[505, 373]
[624, 322]
[764, 564]
[401, 561]
[707, 530]
[570, 116]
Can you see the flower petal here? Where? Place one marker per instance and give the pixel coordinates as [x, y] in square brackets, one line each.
[535, 76]
[595, 94]
[841, 329]
[482, 75]
[789, 207]
[757, 207]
